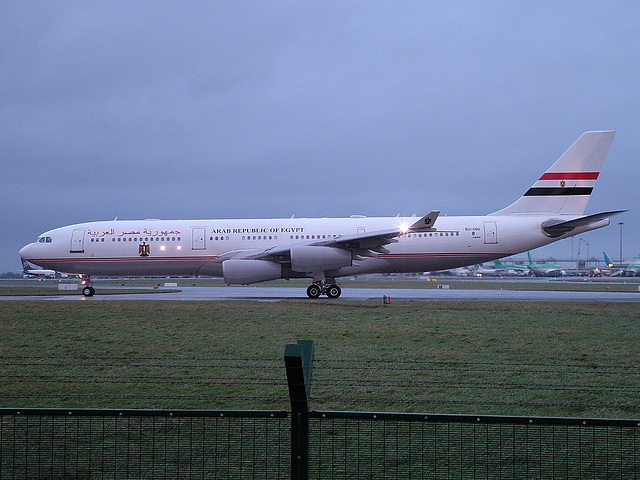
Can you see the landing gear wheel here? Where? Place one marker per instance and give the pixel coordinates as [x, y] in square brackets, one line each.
[313, 291]
[88, 291]
[333, 291]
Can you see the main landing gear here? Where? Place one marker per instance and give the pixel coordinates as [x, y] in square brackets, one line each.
[316, 289]
[87, 289]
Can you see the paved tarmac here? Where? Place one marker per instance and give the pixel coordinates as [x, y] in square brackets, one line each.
[283, 293]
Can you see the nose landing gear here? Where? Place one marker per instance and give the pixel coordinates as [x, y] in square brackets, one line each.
[87, 289]
[316, 289]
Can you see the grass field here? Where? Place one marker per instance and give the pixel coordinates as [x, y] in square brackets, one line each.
[551, 359]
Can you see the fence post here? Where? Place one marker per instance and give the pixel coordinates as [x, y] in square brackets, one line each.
[298, 359]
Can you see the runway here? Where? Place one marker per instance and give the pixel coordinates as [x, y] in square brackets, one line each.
[271, 294]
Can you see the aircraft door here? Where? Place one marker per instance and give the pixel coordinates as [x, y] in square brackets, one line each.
[198, 239]
[77, 241]
[490, 232]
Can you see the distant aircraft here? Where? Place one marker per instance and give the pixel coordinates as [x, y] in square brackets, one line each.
[512, 268]
[323, 249]
[607, 260]
[630, 270]
[545, 269]
[454, 272]
[482, 271]
[28, 269]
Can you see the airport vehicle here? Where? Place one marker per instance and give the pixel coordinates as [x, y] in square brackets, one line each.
[324, 249]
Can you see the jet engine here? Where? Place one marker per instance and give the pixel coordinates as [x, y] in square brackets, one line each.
[308, 258]
[245, 272]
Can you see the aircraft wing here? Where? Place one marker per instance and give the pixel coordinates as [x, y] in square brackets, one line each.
[365, 244]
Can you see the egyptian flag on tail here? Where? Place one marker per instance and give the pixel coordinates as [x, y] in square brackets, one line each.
[565, 188]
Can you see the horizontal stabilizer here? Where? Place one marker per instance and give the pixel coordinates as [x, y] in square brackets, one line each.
[555, 228]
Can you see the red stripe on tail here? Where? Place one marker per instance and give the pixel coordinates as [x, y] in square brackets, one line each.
[570, 176]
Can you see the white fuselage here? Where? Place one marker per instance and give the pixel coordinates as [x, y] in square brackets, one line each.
[198, 247]
[253, 250]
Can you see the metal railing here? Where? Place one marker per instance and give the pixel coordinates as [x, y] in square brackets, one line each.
[374, 445]
[63, 443]
[58, 443]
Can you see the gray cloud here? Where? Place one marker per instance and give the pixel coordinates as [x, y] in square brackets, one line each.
[251, 109]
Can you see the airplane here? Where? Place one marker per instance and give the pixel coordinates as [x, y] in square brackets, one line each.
[607, 260]
[545, 269]
[512, 268]
[630, 270]
[323, 249]
[453, 272]
[482, 271]
[28, 269]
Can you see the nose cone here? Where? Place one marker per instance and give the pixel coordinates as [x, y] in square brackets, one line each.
[26, 252]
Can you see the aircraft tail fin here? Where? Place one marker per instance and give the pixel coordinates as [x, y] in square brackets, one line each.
[565, 188]
[25, 265]
[607, 260]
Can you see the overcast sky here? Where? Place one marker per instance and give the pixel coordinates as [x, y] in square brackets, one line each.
[271, 109]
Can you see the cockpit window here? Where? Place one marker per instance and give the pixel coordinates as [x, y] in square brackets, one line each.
[45, 240]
